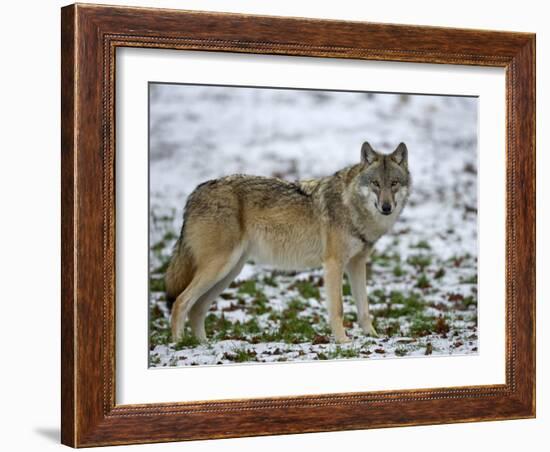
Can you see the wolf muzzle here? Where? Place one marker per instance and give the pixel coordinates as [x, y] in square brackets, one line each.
[386, 208]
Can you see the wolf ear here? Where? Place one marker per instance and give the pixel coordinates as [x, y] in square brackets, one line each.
[368, 154]
[400, 155]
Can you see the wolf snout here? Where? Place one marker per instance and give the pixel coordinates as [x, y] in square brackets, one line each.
[386, 208]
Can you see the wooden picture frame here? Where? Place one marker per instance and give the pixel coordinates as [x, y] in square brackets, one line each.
[90, 35]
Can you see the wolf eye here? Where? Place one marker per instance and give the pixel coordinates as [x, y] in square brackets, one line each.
[394, 183]
[376, 183]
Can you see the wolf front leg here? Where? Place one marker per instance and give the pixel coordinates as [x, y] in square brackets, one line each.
[334, 272]
[356, 270]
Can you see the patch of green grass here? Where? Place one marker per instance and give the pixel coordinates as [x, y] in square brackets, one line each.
[423, 282]
[155, 313]
[156, 285]
[307, 289]
[399, 297]
[376, 323]
[419, 261]
[169, 236]
[469, 280]
[385, 259]
[340, 352]
[322, 327]
[218, 328]
[159, 333]
[398, 271]
[275, 316]
[248, 287]
[350, 317]
[422, 245]
[159, 328]
[162, 267]
[269, 335]
[401, 351]
[346, 289]
[421, 325]
[159, 246]
[260, 304]
[469, 301]
[296, 330]
[399, 304]
[379, 295]
[367, 343]
[154, 360]
[163, 218]
[243, 355]
[186, 340]
[391, 328]
[270, 281]
[292, 328]
[243, 329]
[294, 306]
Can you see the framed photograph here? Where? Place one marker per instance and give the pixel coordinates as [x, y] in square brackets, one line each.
[281, 225]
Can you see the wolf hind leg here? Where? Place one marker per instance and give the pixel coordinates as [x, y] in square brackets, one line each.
[206, 276]
[198, 311]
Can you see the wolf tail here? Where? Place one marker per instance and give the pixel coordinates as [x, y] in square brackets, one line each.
[180, 271]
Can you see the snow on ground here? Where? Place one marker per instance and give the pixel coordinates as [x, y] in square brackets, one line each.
[423, 278]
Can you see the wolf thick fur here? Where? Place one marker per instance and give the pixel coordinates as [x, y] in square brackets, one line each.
[332, 222]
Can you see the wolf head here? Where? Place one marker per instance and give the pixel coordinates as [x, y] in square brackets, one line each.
[384, 181]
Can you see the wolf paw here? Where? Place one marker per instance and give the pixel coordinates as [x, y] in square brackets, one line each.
[369, 330]
[176, 334]
[202, 338]
[342, 339]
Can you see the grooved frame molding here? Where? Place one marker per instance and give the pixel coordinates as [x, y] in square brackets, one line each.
[90, 35]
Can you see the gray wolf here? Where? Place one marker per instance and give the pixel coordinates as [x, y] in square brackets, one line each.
[331, 222]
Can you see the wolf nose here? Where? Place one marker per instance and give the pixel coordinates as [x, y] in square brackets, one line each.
[386, 208]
